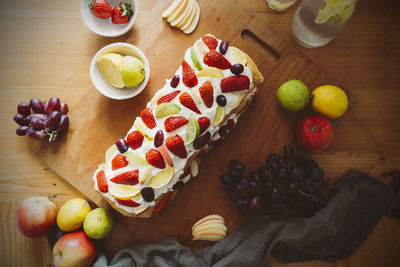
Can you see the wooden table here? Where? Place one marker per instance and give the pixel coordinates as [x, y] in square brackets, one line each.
[46, 50]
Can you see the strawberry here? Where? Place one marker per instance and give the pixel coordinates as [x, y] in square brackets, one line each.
[118, 162]
[101, 181]
[129, 178]
[163, 203]
[121, 13]
[207, 93]
[215, 59]
[235, 83]
[187, 101]
[101, 8]
[210, 42]
[173, 123]
[189, 78]
[154, 158]
[176, 145]
[148, 118]
[127, 202]
[204, 123]
[135, 139]
[168, 97]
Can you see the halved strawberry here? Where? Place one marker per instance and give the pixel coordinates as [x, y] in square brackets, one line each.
[189, 78]
[127, 202]
[176, 145]
[148, 118]
[129, 178]
[187, 101]
[163, 203]
[135, 139]
[173, 123]
[210, 42]
[204, 123]
[215, 59]
[207, 93]
[154, 158]
[168, 97]
[118, 162]
[101, 181]
[235, 83]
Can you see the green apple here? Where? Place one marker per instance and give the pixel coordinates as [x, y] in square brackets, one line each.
[98, 223]
[132, 71]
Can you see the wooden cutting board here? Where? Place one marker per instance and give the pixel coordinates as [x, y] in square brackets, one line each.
[97, 122]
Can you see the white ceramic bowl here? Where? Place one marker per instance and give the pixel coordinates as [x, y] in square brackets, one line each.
[105, 27]
[107, 89]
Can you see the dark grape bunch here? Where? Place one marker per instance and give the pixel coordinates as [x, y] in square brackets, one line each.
[287, 185]
[40, 120]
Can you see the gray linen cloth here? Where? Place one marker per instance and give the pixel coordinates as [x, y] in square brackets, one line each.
[356, 203]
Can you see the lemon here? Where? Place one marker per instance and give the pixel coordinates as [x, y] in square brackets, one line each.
[132, 71]
[293, 95]
[166, 109]
[98, 223]
[339, 9]
[161, 179]
[235, 56]
[109, 65]
[219, 115]
[192, 130]
[330, 101]
[123, 192]
[211, 72]
[71, 215]
[238, 101]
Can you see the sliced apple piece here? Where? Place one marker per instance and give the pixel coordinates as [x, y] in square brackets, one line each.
[210, 225]
[194, 168]
[171, 9]
[145, 175]
[190, 18]
[211, 230]
[193, 24]
[123, 192]
[178, 12]
[111, 153]
[202, 48]
[207, 218]
[161, 179]
[140, 126]
[166, 109]
[192, 9]
[184, 13]
[139, 210]
[208, 237]
[165, 154]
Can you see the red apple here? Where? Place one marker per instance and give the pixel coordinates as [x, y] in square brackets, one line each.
[36, 216]
[74, 249]
[314, 133]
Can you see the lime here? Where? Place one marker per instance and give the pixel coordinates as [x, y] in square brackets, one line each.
[123, 192]
[109, 65]
[98, 223]
[277, 5]
[133, 156]
[166, 109]
[341, 9]
[330, 101]
[211, 72]
[293, 95]
[192, 130]
[193, 56]
[219, 115]
[132, 71]
[161, 179]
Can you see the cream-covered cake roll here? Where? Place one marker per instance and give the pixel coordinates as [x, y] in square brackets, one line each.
[194, 110]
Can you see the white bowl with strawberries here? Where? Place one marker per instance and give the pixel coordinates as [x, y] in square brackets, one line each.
[109, 18]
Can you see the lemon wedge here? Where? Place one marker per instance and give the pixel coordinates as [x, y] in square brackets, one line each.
[133, 156]
[211, 72]
[219, 115]
[161, 179]
[166, 109]
[235, 56]
[109, 65]
[123, 192]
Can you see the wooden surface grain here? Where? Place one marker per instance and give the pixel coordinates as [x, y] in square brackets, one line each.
[46, 50]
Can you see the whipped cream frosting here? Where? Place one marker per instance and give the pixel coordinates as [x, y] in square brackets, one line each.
[179, 163]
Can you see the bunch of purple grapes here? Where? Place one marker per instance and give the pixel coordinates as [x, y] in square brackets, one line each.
[287, 185]
[40, 120]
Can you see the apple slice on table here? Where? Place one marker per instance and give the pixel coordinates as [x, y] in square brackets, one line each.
[208, 218]
[191, 10]
[172, 8]
[190, 27]
[179, 11]
[184, 14]
[209, 228]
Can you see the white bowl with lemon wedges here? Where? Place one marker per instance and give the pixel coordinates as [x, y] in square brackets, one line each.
[120, 71]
